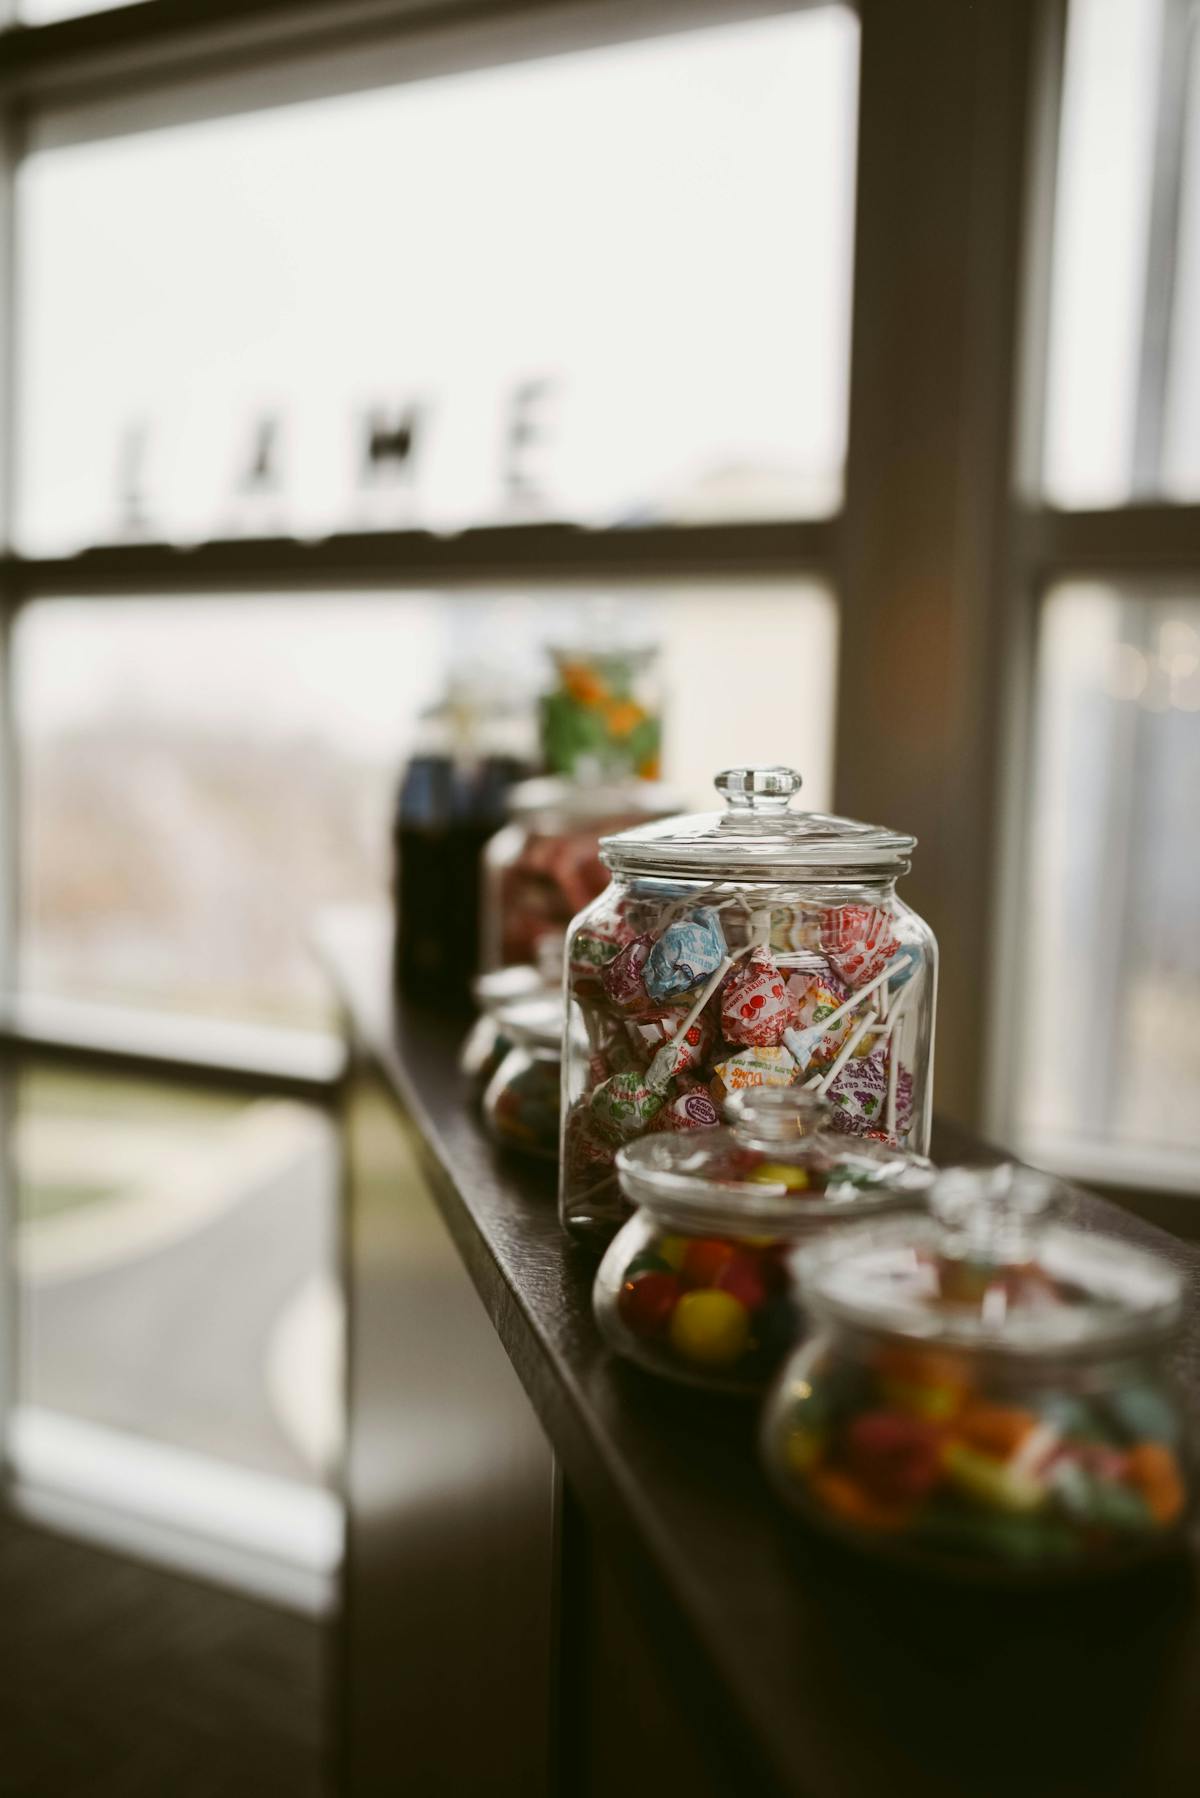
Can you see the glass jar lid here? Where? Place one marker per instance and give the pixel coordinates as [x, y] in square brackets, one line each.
[758, 837]
[535, 1022]
[989, 1270]
[777, 1163]
[501, 986]
[554, 803]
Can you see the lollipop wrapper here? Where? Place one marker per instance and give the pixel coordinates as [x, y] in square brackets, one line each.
[858, 1097]
[753, 1067]
[859, 940]
[756, 1007]
[624, 1105]
[814, 997]
[686, 953]
[684, 1051]
[691, 1110]
[593, 947]
[624, 977]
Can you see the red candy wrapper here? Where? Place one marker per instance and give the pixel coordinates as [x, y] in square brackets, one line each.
[623, 978]
[859, 940]
[682, 1051]
[592, 949]
[756, 1007]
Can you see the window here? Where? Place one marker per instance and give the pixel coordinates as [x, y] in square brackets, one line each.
[1123, 393]
[1102, 1037]
[200, 777]
[1109, 1047]
[340, 314]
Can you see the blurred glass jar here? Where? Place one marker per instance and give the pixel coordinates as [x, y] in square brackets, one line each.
[752, 947]
[521, 1100]
[545, 866]
[486, 1045]
[985, 1391]
[697, 1285]
[602, 719]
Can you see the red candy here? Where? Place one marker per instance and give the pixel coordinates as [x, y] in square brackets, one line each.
[896, 1457]
[743, 1276]
[622, 977]
[646, 1302]
[756, 1007]
[859, 941]
[704, 1259]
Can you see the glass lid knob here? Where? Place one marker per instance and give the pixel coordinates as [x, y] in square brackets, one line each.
[761, 790]
[992, 1210]
[776, 1114]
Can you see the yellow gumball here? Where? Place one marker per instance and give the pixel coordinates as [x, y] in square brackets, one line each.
[671, 1249]
[779, 1173]
[710, 1328]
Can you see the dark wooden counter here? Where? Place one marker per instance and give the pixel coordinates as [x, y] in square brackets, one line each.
[800, 1668]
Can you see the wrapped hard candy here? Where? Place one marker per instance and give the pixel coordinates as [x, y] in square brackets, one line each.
[815, 997]
[691, 1110]
[753, 1067]
[794, 930]
[624, 1105]
[624, 977]
[859, 940]
[686, 953]
[756, 1007]
[685, 1050]
[859, 1097]
[592, 949]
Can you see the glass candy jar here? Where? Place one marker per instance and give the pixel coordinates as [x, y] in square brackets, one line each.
[758, 946]
[545, 866]
[697, 1283]
[521, 1100]
[486, 1045]
[985, 1392]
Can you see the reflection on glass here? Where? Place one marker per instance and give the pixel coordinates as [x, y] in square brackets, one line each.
[611, 286]
[1109, 1047]
[199, 779]
[175, 1259]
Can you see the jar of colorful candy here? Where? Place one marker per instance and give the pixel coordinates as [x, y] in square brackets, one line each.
[602, 720]
[697, 1284]
[986, 1391]
[486, 1045]
[521, 1100]
[545, 866]
[757, 946]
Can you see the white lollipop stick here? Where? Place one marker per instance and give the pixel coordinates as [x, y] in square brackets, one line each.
[662, 1068]
[848, 1047]
[803, 1043]
[893, 1043]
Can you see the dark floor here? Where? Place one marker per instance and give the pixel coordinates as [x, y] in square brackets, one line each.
[121, 1681]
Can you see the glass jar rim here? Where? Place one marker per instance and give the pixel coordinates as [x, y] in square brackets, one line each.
[553, 801]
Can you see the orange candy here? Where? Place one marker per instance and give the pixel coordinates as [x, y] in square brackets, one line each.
[622, 716]
[851, 1503]
[583, 684]
[1154, 1471]
[993, 1429]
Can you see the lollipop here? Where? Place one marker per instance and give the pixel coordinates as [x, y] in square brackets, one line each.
[756, 1007]
[859, 940]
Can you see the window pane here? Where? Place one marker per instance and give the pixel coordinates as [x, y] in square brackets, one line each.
[608, 287]
[1123, 378]
[1109, 1050]
[199, 778]
[175, 1260]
